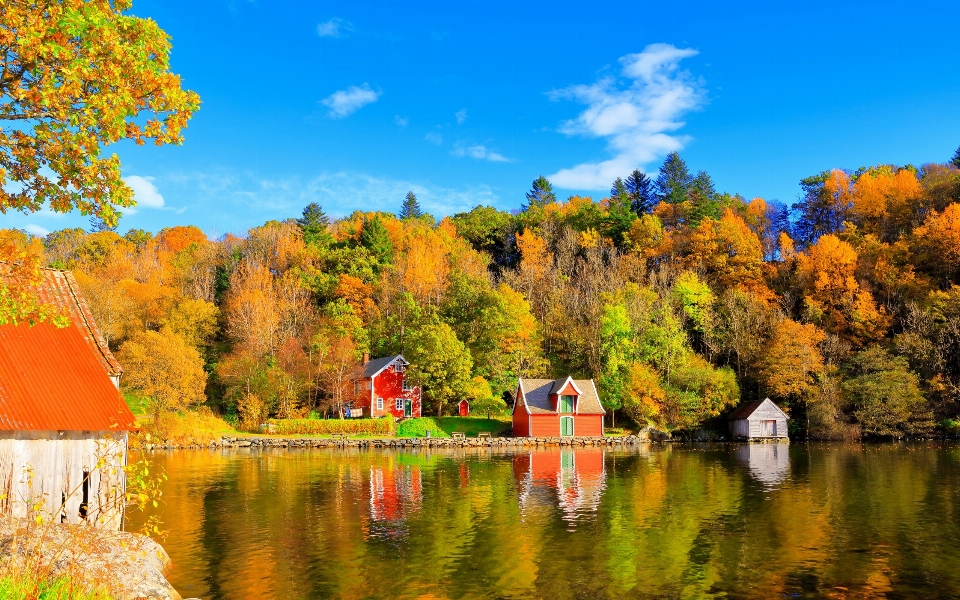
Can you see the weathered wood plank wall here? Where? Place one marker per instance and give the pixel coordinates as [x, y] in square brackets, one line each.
[43, 471]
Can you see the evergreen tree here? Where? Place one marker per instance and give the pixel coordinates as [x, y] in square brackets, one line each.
[640, 190]
[314, 224]
[620, 214]
[674, 180]
[98, 225]
[618, 192]
[703, 198]
[540, 193]
[955, 161]
[410, 209]
[374, 237]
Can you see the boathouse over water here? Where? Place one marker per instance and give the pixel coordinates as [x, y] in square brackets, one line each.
[63, 423]
[759, 420]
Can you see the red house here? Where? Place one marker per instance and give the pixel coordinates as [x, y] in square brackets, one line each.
[382, 389]
[557, 407]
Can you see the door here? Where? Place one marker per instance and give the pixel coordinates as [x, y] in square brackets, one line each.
[566, 426]
[768, 429]
[408, 408]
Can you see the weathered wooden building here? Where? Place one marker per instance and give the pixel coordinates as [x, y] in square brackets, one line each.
[759, 420]
[557, 407]
[63, 423]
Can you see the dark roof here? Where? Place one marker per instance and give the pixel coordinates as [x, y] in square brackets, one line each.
[748, 409]
[536, 394]
[52, 379]
[376, 365]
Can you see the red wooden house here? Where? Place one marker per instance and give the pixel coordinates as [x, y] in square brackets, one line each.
[557, 407]
[382, 389]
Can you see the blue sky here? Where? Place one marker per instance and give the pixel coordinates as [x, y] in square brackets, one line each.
[352, 104]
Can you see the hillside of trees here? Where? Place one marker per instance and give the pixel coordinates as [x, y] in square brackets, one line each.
[679, 301]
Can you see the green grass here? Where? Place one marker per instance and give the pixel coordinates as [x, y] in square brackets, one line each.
[138, 404]
[443, 426]
[60, 588]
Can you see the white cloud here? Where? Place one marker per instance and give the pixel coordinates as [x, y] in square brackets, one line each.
[36, 230]
[479, 152]
[638, 121]
[401, 121]
[434, 138]
[334, 28]
[144, 192]
[461, 116]
[343, 103]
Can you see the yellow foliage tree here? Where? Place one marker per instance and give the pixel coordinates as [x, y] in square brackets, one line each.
[164, 368]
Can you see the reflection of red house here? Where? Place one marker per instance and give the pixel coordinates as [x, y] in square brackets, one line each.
[394, 492]
[574, 480]
[561, 407]
[382, 389]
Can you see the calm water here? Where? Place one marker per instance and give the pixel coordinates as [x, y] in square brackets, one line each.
[660, 521]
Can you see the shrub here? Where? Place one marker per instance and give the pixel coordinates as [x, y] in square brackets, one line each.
[443, 426]
[198, 426]
[381, 426]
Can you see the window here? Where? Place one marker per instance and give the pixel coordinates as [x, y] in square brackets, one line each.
[399, 404]
[398, 367]
[368, 383]
[379, 403]
[406, 385]
[356, 388]
[566, 404]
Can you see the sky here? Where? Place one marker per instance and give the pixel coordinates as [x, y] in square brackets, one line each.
[352, 104]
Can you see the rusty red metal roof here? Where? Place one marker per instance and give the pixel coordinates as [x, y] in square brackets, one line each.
[61, 290]
[51, 379]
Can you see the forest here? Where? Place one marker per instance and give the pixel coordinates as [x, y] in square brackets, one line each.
[681, 302]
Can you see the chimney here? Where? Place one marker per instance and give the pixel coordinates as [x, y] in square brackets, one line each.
[366, 358]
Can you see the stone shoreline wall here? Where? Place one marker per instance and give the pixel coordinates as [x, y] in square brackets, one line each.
[493, 442]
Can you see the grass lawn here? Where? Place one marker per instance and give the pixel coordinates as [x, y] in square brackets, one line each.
[443, 426]
[138, 404]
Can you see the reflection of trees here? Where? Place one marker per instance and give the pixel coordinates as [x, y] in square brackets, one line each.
[663, 522]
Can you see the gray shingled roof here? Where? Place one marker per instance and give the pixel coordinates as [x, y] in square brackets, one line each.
[745, 411]
[378, 364]
[536, 393]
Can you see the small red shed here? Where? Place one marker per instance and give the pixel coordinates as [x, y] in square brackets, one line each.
[464, 407]
[557, 407]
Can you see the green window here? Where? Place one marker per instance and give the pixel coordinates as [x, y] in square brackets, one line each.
[566, 404]
[566, 426]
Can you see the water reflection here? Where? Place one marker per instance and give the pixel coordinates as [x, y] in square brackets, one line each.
[573, 480]
[769, 464]
[664, 521]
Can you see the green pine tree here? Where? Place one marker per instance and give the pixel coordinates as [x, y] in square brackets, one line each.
[955, 161]
[411, 208]
[315, 225]
[540, 194]
[674, 180]
[374, 237]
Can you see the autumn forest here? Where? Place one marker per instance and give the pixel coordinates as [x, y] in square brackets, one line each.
[680, 302]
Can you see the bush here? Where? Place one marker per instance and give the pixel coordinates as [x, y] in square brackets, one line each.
[198, 426]
[381, 426]
[443, 426]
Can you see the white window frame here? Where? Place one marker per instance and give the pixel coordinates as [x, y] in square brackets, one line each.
[398, 405]
[406, 385]
[368, 383]
[379, 403]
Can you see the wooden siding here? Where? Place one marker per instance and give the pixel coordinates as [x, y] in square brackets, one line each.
[588, 425]
[521, 424]
[545, 426]
[43, 468]
[750, 428]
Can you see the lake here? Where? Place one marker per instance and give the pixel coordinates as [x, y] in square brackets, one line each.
[659, 520]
